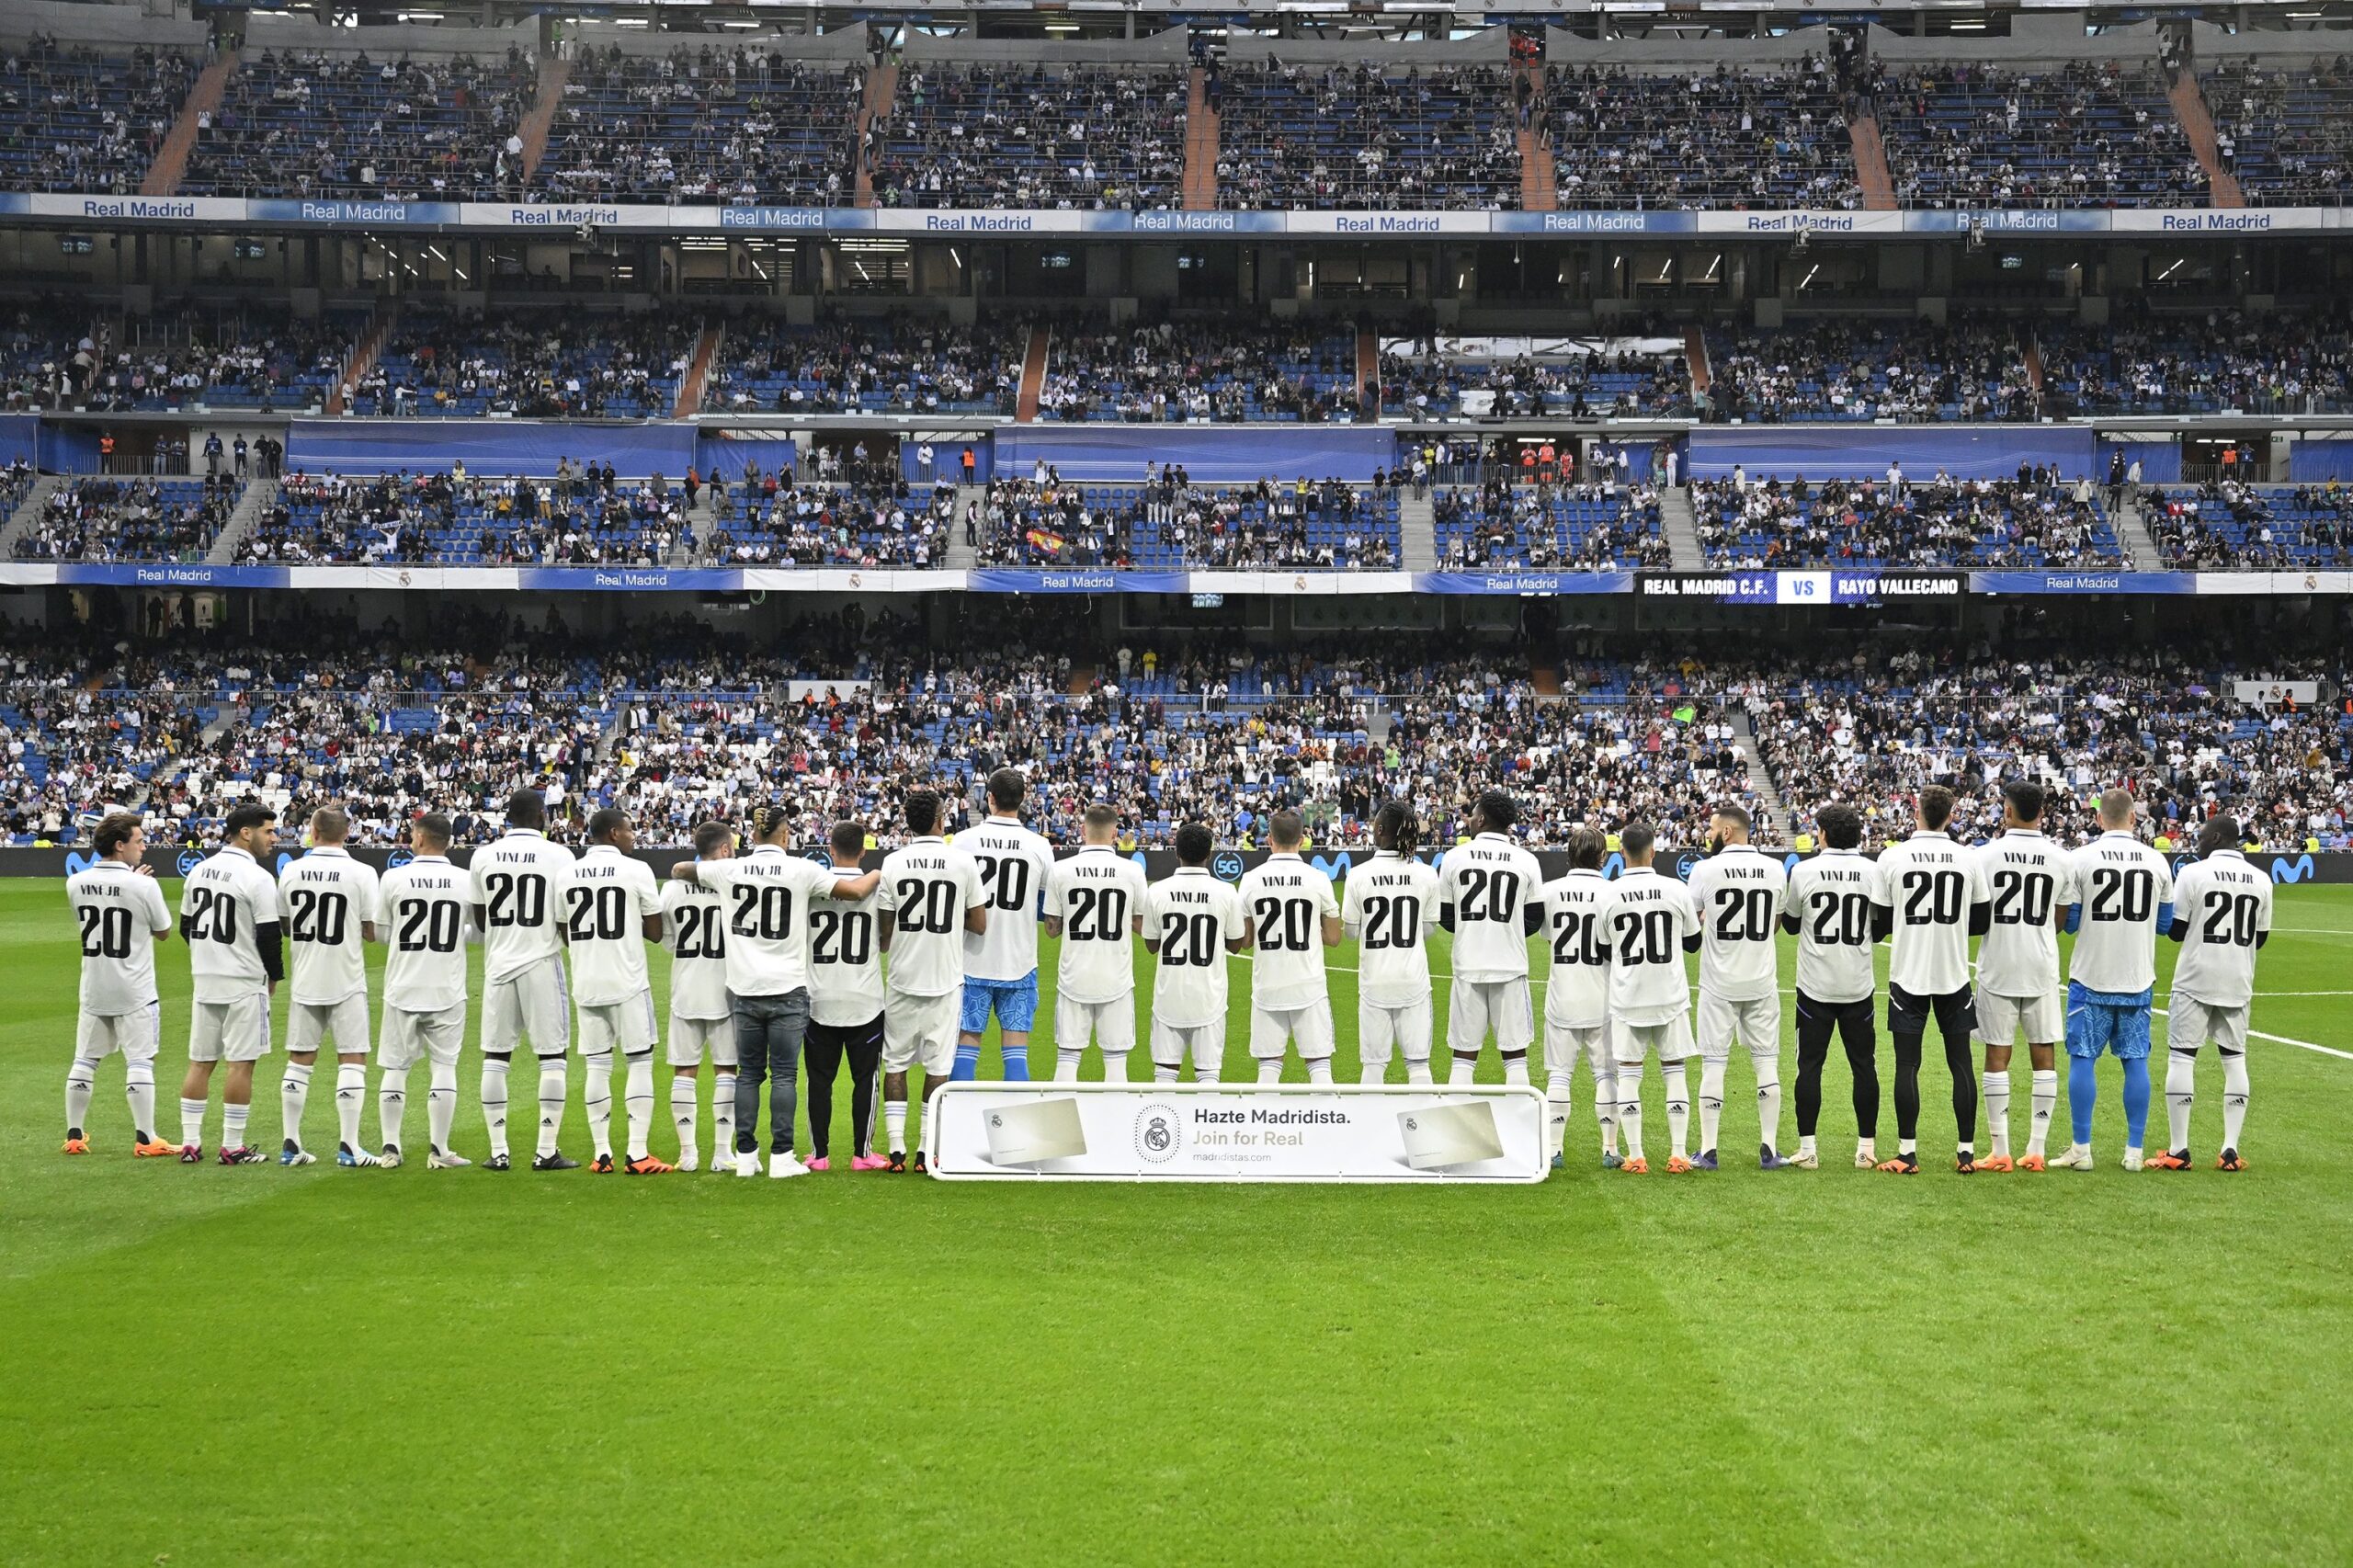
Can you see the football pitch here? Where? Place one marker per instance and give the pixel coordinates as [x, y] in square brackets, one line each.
[218, 1365]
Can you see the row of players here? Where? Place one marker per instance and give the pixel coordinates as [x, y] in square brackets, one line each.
[775, 955]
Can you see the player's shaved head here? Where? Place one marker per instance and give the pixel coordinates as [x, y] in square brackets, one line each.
[923, 811]
[605, 823]
[1586, 847]
[526, 808]
[2024, 800]
[430, 834]
[330, 824]
[2116, 809]
[1008, 790]
[1842, 827]
[1193, 844]
[1934, 807]
[2220, 832]
[1635, 840]
[1100, 825]
[712, 839]
[1285, 829]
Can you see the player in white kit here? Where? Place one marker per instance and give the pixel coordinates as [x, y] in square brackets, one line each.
[1001, 962]
[1933, 892]
[330, 903]
[1576, 997]
[520, 883]
[932, 898]
[610, 911]
[2221, 909]
[2113, 974]
[423, 921]
[1094, 905]
[694, 923]
[2032, 883]
[1831, 914]
[1391, 905]
[1491, 895]
[845, 1007]
[229, 917]
[1291, 916]
[1191, 922]
[1739, 895]
[121, 915]
[1646, 925]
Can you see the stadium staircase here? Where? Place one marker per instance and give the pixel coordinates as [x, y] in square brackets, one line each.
[554, 72]
[203, 98]
[2137, 536]
[698, 376]
[1081, 680]
[1539, 182]
[1744, 740]
[1033, 375]
[1368, 375]
[1695, 356]
[881, 89]
[364, 354]
[1870, 164]
[1201, 146]
[1546, 680]
[258, 495]
[2198, 124]
[1416, 529]
[1681, 526]
[20, 521]
[2031, 358]
[960, 556]
[702, 521]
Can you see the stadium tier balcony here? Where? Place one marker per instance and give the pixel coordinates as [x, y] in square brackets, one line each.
[1033, 136]
[2236, 528]
[540, 365]
[2086, 134]
[2209, 362]
[1171, 526]
[1178, 373]
[130, 519]
[302, 123]
[867, 367]
[1477, 378]
[226, 358]
[466, 520]
[1579, 528]
[1963, 525]
[80, 119]
[1724, 137]
[833, 526]
[1907, 371]
[1296, 136]
[712, 125]
[2286, 132]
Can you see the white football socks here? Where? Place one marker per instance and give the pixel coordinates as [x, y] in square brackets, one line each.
[1319, 1070]
[682, 1117]
[1769, 1098]
[637, 1102]
[440, 1103]
[2181, 1089]
[139, 1089]
[1604, 1106]
[1115, 1066]
[723, 1112]
[1516, 1068]
[2234, 1090]
[392, 1104]
[81, 1082]
[555, 1088]
[1066, 1059]
[351, 1099]
[232, 1124]
[894, 1125]
[293, 1099]
[191, 1121]
[1557, 1106]
[494, 1103]
[1679, 1104]
[1995, 1082]
[1630, 1110]
[1162, 1074]
[596, 1097]
[1712, 1101]
[1417, 1069]
[2042, 1085]
[1270, 1069]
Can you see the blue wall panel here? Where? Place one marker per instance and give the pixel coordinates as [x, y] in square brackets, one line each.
[1117, 453]
[1966, 451]
[486, 446]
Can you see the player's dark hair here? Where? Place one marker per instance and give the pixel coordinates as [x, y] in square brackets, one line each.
[712, 836]
[1842, 827]
[768, 821]
[252, 814]
[1006, 789]
[330, 824]
[1935, 807]
[1100, 815]
[2220, 832]
[2025, 797]
[1586, 846]
[526, 808]
[431, 831]
[849, 838]
[114, 831]
[1735, 813]
[604, 821]
[1499, 811]
[1395, 826]
[1286, 828]
[1635, 840]
[923, 810]
[1193, 843]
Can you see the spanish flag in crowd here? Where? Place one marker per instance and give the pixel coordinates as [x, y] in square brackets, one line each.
[1052, 543]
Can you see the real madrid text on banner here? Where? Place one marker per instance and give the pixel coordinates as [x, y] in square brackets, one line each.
[1488, 1132]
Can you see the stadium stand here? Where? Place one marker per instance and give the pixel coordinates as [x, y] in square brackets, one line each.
[1721, 138]
[545, 364]
[1582, 528]
[2232, 526]
[130, 520]
[2286, 132]
[1183, 372]
[1298, 136]
[1907, 371]
[2086, 133]
[1028, 136]
[82, 119]
[867, 366]
[1169, 523]
[2034, 522]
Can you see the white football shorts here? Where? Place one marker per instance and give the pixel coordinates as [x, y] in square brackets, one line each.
[689, 1038]
[1112, 1024]
[1309, 1027]
[1476, 1007]
[136, 1035]
[534, 1003]
[1171, 1043]
[920, 1030]
[1380, 1030]
[627, 1027]
[1723, 1024]
[236, 1031]
[2191, 1023]
[408, 1037]
[1670, 1039]
[345, 1022]
[2043, 1020]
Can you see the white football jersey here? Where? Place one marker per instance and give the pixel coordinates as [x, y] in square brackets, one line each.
[1644, 921]
[2126, 888]
[2227, 904]
[1830, 896]
[225, 902]
[604, 923]
[1739, 893]
[1014, 863]
[1491, 884]
[766, 896]
[2029, 881]
[327, 897]
[1192, 916]
[1930, 884]
[1098, 894]
[120, 912]
[1576, 994]
[695, 929]
[927, 887]
[1390, 906]
[520, 881]
[1284, 900]
[424, 921]
[846, 957]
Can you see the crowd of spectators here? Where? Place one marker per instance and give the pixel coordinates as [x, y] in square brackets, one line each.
[2285, 132]
[849, 366]
[1340, 136]
[1588, 527]
[222, 356]
[535, 364]
[2226, 525]
[823, 525]
[584, 517]
[2201, 362]
[80, 119]
[1428, 377]
[1169, 522]
[2089, 134]
[1187, 372]
[1910, 372]
[1722, 138]
[990, 135]
[730, 126]
[130, 520]
[2037, 520]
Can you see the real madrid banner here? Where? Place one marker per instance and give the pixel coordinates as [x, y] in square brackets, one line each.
[983, 1131]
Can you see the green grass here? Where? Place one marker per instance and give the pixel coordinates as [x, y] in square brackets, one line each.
[213, 1366]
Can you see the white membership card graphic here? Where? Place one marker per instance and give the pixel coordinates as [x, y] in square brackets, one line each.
[995, 1132]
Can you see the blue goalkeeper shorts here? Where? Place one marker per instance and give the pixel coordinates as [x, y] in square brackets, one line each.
[1014, 1001]
[2102, 1021]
